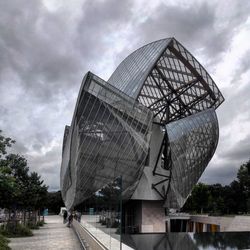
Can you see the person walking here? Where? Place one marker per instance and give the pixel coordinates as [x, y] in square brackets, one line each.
[65, 215]
[79, 215]
[70, 219]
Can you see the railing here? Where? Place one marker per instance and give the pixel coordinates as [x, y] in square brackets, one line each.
[88, 241]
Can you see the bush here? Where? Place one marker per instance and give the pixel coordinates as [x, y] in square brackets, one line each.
[40, 223]
[4, 243]
[108, 222]
[118, 230]
[115, 224]
[32, 226]
[104, 222]
[15, 230]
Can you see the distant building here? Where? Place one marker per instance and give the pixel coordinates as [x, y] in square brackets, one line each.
[153, 123]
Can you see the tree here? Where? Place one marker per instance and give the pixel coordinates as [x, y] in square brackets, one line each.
[216, 199]
[230, 199]
[243, 177]
[200, 196]
[36, 192]
[8, 187]
[5, 142]
[54, 202]
[19, 171]
[19, 189]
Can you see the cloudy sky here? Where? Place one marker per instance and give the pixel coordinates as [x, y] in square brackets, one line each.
[47, 46]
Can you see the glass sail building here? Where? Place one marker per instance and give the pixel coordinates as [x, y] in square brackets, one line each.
[153, 122]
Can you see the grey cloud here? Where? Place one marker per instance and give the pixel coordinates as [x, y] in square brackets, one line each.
[197, 25]
[242, 67]
[20, 148]
[100, 22]
[48, 166]
[37, 147]
[53, 181]
[236, 104]
[48, 53]
[44, 56]
[223, 173]
[239, 152]
[35, 46]
[228, 160]
[191, 22]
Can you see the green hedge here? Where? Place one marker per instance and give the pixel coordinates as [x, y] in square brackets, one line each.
[40, 223]
[4, 243]
[15, 230]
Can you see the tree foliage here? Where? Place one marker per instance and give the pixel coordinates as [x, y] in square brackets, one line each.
[19, 189]
[54, 202]
[5, 142]
[218, 199]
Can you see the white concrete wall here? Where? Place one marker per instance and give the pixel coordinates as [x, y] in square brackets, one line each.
[153, 217]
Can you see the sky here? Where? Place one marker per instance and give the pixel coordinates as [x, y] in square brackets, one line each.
[46, 47]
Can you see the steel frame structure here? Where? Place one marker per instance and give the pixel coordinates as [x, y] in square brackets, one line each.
[153, 122]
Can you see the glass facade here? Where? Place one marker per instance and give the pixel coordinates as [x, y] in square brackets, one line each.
[153, 123]
[192, 143]
[132, 72]
[167, 79]
[108, 137]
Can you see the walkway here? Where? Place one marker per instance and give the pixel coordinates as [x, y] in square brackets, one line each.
[53, 235]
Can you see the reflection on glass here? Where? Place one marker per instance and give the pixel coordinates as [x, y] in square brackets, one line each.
[226, 240]
[188, 241]
[192, 141]
[101, 214]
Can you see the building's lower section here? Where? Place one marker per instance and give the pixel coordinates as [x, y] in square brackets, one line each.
[140, 216]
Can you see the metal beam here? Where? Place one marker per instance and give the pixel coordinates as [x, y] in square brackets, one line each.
[152, 104]
[172, 89]
[192, 70]
[155, 87]
[184, 90]
[182, 82]
[191, 104]
[148, 96]
[175, 70]
[160, 88]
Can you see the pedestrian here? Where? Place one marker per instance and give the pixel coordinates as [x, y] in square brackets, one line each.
[70, 220]
[65, 215]
[79, 216]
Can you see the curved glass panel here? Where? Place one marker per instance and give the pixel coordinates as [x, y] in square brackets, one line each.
[192, 141]
[178, 86]
[109, 138]
[131, 73]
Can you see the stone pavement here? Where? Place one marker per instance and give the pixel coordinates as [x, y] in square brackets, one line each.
[53, 235]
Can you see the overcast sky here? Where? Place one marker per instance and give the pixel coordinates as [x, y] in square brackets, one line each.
[47, 46]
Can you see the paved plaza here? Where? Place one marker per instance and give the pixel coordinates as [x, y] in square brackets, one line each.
[53, 235]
